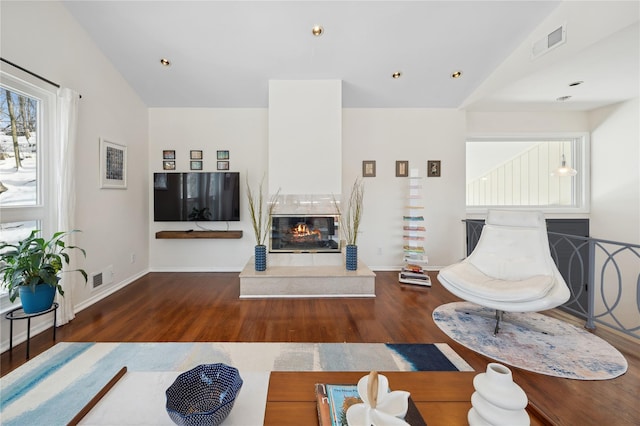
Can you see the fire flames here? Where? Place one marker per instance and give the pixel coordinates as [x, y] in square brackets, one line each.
[301, 230]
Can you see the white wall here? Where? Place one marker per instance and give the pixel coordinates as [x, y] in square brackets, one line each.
[515, 123]
[383, 135]
[615, 202]
[44, 38]
[615, 172]
[414, 135]
[305, 136]
[241, 131]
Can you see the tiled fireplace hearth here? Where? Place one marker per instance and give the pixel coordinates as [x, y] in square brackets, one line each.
[306, 275]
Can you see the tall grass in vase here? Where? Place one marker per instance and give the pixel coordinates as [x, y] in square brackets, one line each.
[261, 221]
[350, 220]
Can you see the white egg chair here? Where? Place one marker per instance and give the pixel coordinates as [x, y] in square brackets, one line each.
[511, 268]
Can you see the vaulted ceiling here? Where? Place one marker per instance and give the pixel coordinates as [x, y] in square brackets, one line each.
[223, 53]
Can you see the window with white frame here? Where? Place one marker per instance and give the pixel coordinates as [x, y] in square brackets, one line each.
[27, 116]
[546, 172]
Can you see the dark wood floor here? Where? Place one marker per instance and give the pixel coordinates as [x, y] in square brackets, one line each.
[204, 307]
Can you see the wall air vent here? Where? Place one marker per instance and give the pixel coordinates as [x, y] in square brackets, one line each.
[552, 40]
[96, 280]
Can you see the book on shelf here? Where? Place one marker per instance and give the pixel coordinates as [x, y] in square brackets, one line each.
[413, 237]
[413, 228]
[414, 249]
[412, 267]
[413, 218]
[418, 258]
[334, 400]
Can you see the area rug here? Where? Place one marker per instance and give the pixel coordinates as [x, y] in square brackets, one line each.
[54, 386]
[562, 350]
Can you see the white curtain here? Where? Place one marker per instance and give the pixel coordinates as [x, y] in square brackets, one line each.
[64, 162]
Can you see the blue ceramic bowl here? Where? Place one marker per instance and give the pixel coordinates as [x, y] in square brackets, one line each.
[203, 395]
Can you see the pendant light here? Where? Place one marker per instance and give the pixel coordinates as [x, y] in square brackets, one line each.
[564, 170]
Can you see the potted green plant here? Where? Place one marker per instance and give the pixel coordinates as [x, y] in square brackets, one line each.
[350, 222]
[261, 221]
[31, 269]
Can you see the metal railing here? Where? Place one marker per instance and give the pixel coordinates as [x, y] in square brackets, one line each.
[603, 276]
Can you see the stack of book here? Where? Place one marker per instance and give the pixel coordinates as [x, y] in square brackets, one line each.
[413, 235]
[334, 400]
[414, 274]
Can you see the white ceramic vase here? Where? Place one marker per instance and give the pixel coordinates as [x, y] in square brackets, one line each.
[497, 399]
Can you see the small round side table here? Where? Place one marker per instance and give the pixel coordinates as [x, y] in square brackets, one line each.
[18, 314]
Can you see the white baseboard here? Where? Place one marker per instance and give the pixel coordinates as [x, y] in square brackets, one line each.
[237, 269]
[97, 296]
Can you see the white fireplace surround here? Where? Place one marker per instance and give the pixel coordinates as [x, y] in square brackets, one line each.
[305, 136]
[305, 141]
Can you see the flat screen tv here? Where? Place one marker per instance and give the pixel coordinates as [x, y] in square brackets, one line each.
[196, 196]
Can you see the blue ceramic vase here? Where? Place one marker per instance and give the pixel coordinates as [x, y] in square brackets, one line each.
[261, 257]
[352, 257]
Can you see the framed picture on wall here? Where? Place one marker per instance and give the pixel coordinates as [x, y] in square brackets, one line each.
[196, 154]
[223, 165]
[433, 168]
[196, 164]
[168, 165]
[368, 169]
[402, 168]
[169, 154]
[113, 165]
[222, 155]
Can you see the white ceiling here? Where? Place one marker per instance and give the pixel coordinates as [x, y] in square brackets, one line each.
[223, 53]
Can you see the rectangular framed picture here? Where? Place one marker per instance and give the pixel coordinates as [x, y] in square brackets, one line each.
[196, 164]
[169, 154]
[113, 165]
[168, 165]
[433, 168]
[223, 165]
[196, 154]
[402, 168]
[368, 169]
[222, 155]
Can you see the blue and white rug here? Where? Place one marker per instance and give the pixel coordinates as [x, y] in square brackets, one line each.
[52, 387]
[563, 351]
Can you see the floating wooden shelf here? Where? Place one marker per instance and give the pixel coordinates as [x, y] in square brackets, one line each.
[198, 234]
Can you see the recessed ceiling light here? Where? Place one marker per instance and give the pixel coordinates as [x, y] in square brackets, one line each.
[576, 83]
[396, 75]
[456, 74]
[563, 98]
[165, 62]
[317, 30]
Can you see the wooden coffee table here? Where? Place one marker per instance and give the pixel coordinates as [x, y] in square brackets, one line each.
[443, 398]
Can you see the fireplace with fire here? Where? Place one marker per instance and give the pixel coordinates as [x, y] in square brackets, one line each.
[304, 233]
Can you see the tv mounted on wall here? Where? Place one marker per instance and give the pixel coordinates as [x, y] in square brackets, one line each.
[196, 196]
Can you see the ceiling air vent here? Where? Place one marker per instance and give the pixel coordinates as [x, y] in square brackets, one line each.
[552, 40]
